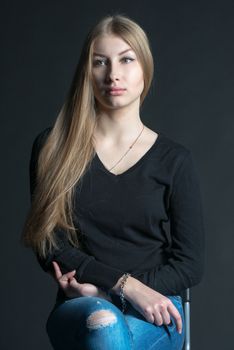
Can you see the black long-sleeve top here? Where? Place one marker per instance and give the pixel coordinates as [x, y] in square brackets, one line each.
[147, 221]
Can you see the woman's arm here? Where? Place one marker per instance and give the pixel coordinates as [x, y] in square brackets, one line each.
[69, 258]
[73, 289]
[186, 263]
[147, 292]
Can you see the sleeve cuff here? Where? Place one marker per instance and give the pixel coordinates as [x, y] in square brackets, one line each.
[100, 274]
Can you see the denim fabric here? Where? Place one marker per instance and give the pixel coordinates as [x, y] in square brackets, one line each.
[68, 327]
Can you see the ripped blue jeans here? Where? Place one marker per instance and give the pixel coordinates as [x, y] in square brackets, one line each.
[93, 323]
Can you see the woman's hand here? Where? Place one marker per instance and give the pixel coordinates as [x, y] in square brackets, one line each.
[72, 288]
[155, 307]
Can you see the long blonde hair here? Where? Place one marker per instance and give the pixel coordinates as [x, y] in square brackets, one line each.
[68, 149]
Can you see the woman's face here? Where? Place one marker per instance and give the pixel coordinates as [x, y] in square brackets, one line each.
[115, 65]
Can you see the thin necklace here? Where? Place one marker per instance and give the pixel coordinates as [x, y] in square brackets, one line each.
[128, 149]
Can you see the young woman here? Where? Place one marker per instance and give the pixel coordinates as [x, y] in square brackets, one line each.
[103, 185]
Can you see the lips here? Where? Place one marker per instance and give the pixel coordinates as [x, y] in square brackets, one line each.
[115, 89]
[116, 92]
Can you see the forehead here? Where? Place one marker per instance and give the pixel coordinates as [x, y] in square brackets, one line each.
[110, 44]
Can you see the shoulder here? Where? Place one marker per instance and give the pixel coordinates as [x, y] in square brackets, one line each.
[40, 138]
[179, 162]
[167, 143]
[170, 153]
[173, 145]
[172, 159]
[173, 151]
[38, 142]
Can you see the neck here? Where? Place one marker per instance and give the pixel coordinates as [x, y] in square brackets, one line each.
[118, 126]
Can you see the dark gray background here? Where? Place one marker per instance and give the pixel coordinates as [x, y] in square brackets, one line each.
[191, 100]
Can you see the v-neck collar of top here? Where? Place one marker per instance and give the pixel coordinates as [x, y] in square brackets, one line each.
[138, 163]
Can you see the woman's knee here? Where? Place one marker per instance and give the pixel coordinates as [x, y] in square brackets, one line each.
[101, 318]
[94, 312]
[100, 313]
[89, 305]
[71, 321]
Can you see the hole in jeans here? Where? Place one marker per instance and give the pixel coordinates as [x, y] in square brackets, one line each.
[100, 318]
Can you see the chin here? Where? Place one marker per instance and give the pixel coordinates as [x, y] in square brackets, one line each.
[119, 104]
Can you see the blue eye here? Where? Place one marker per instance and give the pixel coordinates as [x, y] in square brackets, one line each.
[128, 58]
[100, 62]
[97, 62]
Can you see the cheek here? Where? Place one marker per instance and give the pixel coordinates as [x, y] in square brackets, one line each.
[137, 76]
[96, 84]
[95, 80]
[97, 77]
[137, 80]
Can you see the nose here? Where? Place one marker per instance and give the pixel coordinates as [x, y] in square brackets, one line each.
[112, 73]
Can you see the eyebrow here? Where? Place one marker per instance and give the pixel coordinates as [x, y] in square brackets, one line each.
[99, 54]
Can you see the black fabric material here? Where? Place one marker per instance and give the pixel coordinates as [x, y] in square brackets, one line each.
[122, 219]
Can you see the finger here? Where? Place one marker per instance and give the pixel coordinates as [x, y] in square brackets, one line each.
[166, 317]
[74, 284]
[176, 315]
[70, 276]
[148, 316]
[67, 277]
[157, 318]
[58, 273]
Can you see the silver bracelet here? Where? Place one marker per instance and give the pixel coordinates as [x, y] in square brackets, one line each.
[122, 284]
